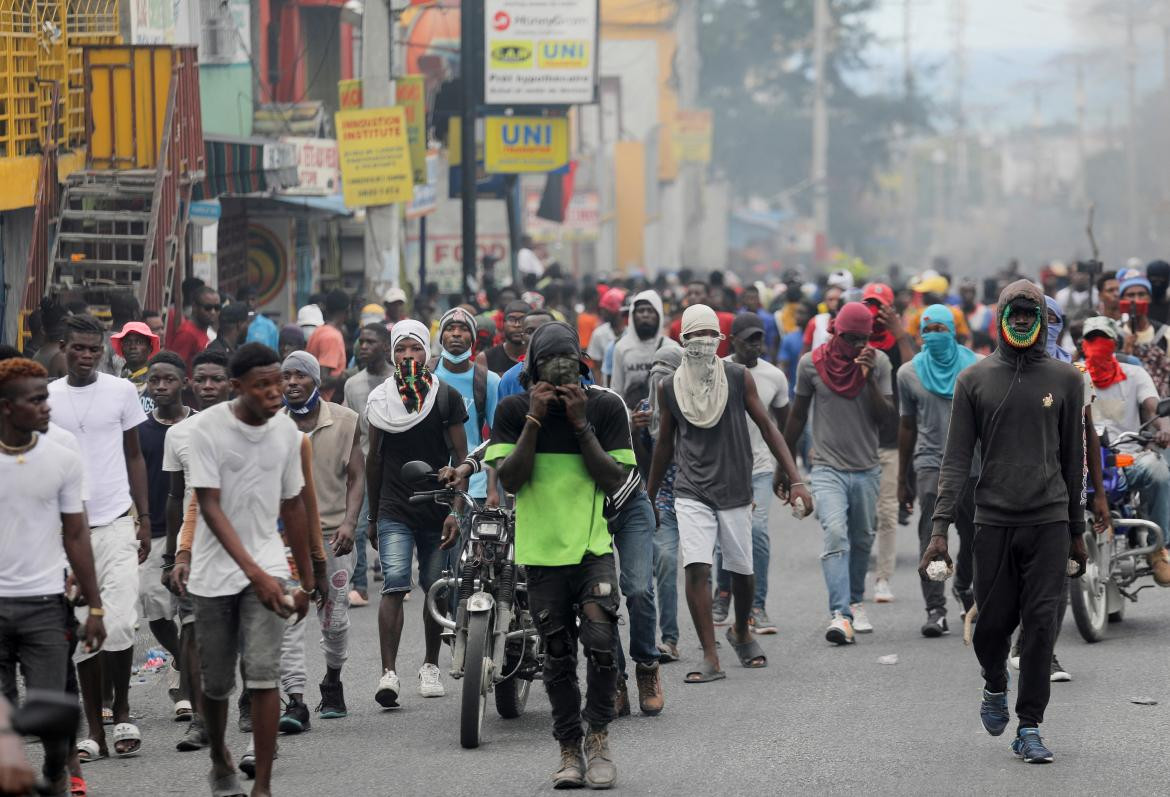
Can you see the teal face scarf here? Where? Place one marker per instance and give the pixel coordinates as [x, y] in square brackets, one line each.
[942, 358]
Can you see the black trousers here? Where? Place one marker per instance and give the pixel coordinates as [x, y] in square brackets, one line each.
[1020, 574]
[934, 592]
[561, 600]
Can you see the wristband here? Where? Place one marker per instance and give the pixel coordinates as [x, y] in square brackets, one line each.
[535, 421]
[797, 484]
[586, 429]
[168, 560]
[97, 611]
[301, 588]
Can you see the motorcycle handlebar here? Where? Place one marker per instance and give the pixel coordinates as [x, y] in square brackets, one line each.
[443, 497]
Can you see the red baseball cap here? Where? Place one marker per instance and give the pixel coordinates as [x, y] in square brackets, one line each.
[612, 301]
[883, 293]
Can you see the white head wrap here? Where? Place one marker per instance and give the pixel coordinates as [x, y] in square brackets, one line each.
[700, 383]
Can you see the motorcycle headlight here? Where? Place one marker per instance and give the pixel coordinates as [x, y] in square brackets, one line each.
[488, 529]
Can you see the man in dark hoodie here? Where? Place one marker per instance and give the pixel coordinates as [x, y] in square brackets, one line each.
[1024, 410]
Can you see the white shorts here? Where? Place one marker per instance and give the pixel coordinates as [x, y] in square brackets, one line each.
[699, 526]
[115, 561]
[156, 601]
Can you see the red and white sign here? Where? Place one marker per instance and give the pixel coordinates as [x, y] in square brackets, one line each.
[582, 219]
[317, 166]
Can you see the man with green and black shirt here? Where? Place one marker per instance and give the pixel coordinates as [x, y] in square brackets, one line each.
[567, 447]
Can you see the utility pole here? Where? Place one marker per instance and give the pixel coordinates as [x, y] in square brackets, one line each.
[909, 177]
[383, 222]
[958, 205]
[820, 143]
[469, 75]
[1082, 156]
[1131, 202]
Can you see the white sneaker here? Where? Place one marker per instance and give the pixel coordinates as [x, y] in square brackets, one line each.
[840, 631]
[861, 623]
[881, 592]
[430, 682]
[388, 689]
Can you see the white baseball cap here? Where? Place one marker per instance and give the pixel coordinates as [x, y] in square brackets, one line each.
[310, 316]
[394, 295]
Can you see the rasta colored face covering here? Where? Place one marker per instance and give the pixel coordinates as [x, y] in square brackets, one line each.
[414, 382]
[1016, 339]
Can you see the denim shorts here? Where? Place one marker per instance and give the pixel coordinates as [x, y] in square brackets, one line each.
[230, 624]
[397, 544]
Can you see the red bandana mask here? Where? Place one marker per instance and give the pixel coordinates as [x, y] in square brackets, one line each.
[1103, 366]
[880, 339]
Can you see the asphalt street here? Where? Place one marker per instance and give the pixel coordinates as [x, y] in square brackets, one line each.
[818, 720]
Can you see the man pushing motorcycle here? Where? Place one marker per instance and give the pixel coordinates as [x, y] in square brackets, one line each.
[1024, 410]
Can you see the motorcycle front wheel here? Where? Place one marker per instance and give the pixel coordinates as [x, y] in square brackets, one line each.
[512, 694]
[1089, 599]
[476, 663]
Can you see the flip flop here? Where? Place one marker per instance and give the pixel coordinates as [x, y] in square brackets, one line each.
[127, 732]
[706, 672]
[667, 653]
[747, 651]
[77, 787]
[88, 750]
[226, 785]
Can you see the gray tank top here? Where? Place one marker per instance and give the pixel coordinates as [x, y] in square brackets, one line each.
[715, 464]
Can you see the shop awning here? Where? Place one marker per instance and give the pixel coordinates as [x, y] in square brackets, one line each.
[332, 204]
[241, 166]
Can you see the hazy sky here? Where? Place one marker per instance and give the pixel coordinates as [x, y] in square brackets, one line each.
[991, 24]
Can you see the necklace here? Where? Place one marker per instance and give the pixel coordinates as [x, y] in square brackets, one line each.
[165, 422]
[19, 451]
[69, 392]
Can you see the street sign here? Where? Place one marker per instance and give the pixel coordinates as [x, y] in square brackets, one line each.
[410, 94]
[317, 172]
[692, 136]
[540, 52]
[525, 144]
[374, 157]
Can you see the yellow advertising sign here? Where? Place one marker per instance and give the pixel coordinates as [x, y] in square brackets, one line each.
[374, 155]
[511, 55]
[410, 94]
[568, 54]
[692, 136]
[349, 94]
[521, 144]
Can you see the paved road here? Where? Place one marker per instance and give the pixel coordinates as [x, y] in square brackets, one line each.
[818, 720]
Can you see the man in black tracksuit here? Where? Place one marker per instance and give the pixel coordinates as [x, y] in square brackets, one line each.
[1024, 409]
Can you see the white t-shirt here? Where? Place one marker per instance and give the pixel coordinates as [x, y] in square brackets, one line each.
[528, 263]
[36, 493]
[603, 338]
[98, 415]
[1118, 407]
[772, 386]
[254, 468]
[65, 438]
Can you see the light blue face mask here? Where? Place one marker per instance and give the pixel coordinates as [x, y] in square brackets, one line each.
[456, 358]
[940, 346]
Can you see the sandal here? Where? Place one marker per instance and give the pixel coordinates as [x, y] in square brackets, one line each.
[226, 785]
[667, 652]
[750, 654]
[127, 732]
[77, 787]
[705, 674]
[88, 750]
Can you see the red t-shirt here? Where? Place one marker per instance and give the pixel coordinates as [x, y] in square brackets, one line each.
[328, 346]
[725, 321]
[188, 341]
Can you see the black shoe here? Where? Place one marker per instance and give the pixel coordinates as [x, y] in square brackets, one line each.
[195, 738]
[332, 704]
[245, 704]
[621, 699]
[1058, 674]
[935, 625]
[903, 516]
[295, 718]
[993, 712]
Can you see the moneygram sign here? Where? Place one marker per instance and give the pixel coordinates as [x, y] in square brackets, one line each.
[540, 52]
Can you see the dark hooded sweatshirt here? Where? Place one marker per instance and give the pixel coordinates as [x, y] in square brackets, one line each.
[1025, 409]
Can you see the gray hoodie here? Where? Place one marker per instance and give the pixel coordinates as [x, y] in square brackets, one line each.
[633, 357]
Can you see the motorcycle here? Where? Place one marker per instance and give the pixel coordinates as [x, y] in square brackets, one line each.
[47, 715]
[495, 646]
[1118, 559]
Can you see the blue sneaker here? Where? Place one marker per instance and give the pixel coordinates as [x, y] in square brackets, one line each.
[1029, 746]
[993, 711]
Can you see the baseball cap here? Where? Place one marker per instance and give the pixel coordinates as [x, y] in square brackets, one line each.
[612, 300]
[310, 316]
[841, 279]
[745, 325]
[931, 283]
[880, 291]
[393, 295]
[1101, 324]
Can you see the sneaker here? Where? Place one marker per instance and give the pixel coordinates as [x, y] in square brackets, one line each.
[1160, 564]
[935, 625]
[621, 698]
[1058, 674]
[861, 623]
[388, 689]
[430, 682]
[840, 630]
[571, 774]
[600, 773]
[1014, 655]
[650, 698]
[882, 592]
[993, 712]
[332, 705]
[195, 738]
[295, 718]
[720, 607]
[760, 623]
[245, 704]
[358, 597]
[1029, 746]
[247, 763]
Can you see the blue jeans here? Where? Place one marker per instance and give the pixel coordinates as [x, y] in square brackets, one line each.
[1150, 476]
[666, 573]
[846, 504]
[397, 543]
[761, 546]
[361, 542]
[633, 536]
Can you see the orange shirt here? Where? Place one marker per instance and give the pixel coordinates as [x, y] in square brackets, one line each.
[328, 346]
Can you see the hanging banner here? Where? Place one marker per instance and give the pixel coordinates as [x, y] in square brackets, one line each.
[525, 144]
[692, 136]
[317, 173]
[410, 95]
[374, 156]
[540, 52]
[349, 93]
